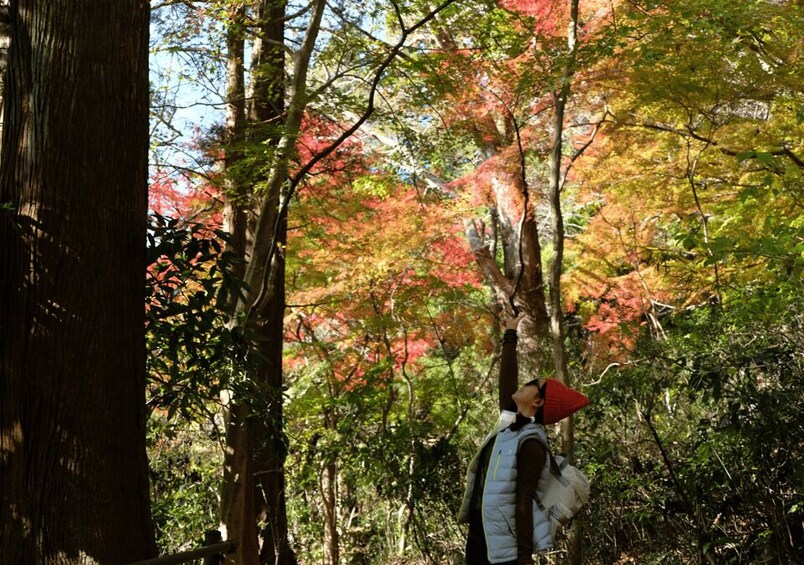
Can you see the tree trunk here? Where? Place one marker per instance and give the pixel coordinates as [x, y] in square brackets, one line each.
[530, 296]
[73, 173]
[268, 84]
[237, 493]
[238, 501]
[5, 40]
[556, 310]
[266, 112]
[263, 308]
[237, 490]
[236, 197]
[511, 234]
[271, 449]
[555, 185]
[329, 495]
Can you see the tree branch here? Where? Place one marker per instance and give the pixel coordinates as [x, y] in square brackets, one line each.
[690, 132]
[305, 169]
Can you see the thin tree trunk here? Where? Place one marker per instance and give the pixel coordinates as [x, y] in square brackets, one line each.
[271, 443]
[557, 218]
[235, 196]
[74, 485]
[258, 270]
[556, 310]
[329, 494]
[265, 304]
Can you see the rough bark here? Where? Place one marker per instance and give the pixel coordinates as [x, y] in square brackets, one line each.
[267, 100]
[5, 40]
[266, 115]
[237, 490]
[237, 496]
[73, 183]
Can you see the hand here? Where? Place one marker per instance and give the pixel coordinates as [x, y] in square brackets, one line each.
[513, 323]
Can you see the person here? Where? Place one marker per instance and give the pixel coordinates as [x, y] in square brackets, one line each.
[506, 525]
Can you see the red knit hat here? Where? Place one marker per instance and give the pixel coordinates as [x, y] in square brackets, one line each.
[560, 401]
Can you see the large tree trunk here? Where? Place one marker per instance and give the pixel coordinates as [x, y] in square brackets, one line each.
[5, 40]
[266, 114]
[238, 488]
[509, 191]
[74, 485]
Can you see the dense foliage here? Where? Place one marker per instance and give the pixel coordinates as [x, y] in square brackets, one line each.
[683, 195]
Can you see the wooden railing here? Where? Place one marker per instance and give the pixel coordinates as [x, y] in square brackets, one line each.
[212, 552]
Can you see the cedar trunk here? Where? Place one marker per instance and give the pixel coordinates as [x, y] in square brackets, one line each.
[254, 481]
[73, 183]
[237, 489]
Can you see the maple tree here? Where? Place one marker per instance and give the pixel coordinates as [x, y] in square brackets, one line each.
[385, 302]
[690, 213]
[685, 181]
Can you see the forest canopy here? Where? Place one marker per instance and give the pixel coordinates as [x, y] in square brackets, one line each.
[346, 199]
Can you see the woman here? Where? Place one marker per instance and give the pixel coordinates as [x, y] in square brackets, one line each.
[506, 526]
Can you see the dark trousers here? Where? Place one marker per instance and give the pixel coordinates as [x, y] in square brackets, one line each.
[476, 550]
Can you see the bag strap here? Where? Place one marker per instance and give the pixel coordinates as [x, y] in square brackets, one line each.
[555, 467]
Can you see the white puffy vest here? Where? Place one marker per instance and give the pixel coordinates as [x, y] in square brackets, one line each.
[499, 492]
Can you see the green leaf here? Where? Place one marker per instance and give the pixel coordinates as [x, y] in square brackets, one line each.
[765, 158]
[750, 192]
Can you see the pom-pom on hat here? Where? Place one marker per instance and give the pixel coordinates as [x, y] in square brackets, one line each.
[560, 401]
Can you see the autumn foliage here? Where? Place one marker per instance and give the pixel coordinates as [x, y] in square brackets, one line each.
[681, 179]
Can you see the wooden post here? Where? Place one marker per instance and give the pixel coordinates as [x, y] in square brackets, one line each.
[212, 537]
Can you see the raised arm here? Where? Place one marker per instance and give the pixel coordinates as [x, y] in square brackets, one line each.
[509, 364]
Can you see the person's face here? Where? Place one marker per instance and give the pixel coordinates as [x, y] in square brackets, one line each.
[528, 399]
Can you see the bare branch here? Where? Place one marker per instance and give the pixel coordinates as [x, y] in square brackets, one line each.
[580, 151]
[689, 132]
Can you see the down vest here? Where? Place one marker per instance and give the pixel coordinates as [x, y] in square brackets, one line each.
[499, 492]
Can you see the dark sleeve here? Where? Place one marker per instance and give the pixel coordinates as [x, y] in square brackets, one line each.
[530, 462]
[509, 370]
